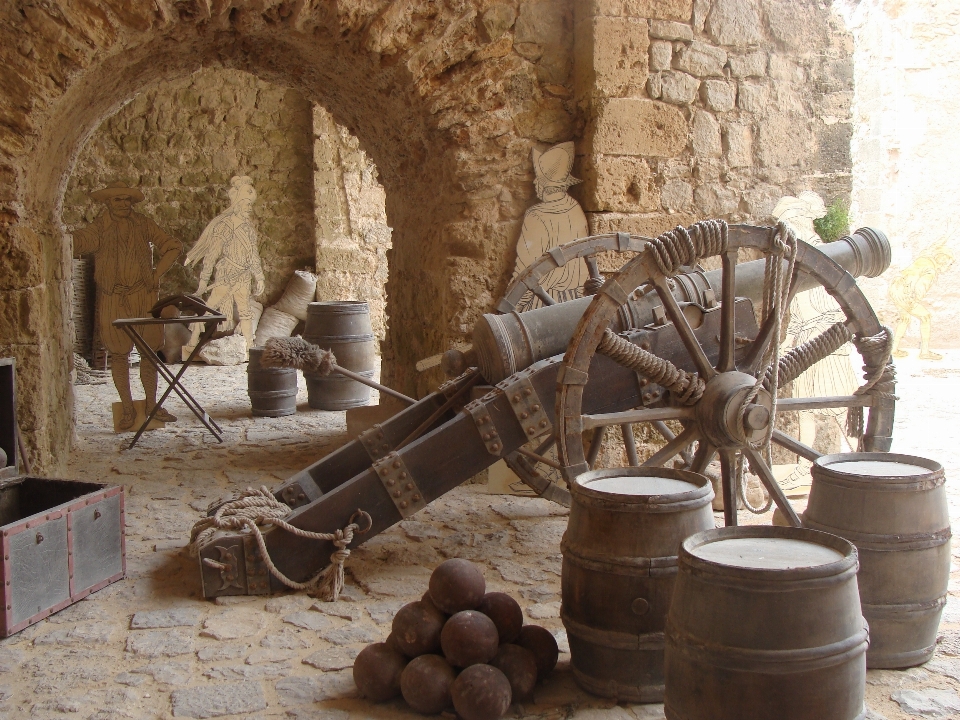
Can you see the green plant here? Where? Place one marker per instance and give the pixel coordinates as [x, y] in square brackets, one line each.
[836, 223]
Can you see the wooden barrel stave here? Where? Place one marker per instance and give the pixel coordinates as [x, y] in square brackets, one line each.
[619, 564]
[900, 525]
[344, 328]
[272, 391]
[754, 643]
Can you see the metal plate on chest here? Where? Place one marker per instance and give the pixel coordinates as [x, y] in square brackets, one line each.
[39, 573]
[97, 545]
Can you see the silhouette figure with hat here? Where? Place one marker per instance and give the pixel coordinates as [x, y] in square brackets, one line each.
[123, 243]
[556, 220]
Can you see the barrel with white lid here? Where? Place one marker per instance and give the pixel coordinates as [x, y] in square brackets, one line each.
[764, 624]
[893, 508]
[619, 566]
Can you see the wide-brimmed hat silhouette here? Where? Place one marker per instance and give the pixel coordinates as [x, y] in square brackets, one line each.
[117, 188]
[553, 166]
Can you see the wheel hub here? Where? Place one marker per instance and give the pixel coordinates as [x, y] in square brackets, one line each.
[718, 411]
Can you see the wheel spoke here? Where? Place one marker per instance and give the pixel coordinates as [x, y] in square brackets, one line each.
[540, 458]
[824, 403]
[704, 368]
[728, 474]
[672, 448]
[728, 298]
[794, 446]
[544, 296]
[661, 427]
[751, 363]
[630, 444]
[596, 442]
[773, 487]
[637, 416]
[703, 456]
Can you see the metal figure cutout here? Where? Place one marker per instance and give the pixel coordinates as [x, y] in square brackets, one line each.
[554, 221]
[908, 290]
[228, 250]
[123, 243]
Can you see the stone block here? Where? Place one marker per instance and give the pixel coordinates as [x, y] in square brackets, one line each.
[676, 195]
[734, 22]
[639, 127]
[497, 20]
[661, 55]
[543, 34]
[620, 54]
[738, 144]
[678, 88]
[549, 121]
[784, 140]
[219, 699]
[785, 69]
[751, 64]
[833, 148]
[701, 60]
[655, 86]
[797, 25]
[666, 30]
[648, 225]
[176, 617]
[659, 9]
[157, 643]
[706, 135]
[715, 200]
[619, 184]
[718, 95]
[753, 97]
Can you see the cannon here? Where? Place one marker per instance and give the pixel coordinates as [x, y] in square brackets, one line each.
[661, 340]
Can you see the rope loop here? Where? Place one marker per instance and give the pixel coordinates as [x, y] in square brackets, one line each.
[682, 246]
[254, 508]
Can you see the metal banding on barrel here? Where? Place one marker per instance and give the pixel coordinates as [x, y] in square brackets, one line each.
[893, 508]
[619, 566]
[343, 327]
[272, 391]
[765, 622]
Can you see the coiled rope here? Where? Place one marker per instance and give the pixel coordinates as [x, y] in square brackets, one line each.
[688, 387]
[880, 373]
[251, 510]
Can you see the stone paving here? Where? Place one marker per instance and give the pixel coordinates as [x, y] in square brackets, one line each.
[150, 646]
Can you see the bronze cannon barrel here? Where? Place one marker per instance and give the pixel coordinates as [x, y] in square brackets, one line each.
[506, 344]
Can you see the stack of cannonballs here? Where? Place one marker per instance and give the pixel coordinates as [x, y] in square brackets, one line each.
[459, 646]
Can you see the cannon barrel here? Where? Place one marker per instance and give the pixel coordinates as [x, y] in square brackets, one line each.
[505, 344]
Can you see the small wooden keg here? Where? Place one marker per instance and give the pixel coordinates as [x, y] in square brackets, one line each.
[343, 327]
[765, 624]
[893, 508]
[272, 391]
[619, 567]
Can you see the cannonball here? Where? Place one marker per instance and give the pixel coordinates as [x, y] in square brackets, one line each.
[416, 629]
[520, 667]
[505, 613]
[481, 692]
[426, 682]
[391, 642]
[543, 645]
[377, 670]
[456, 585]
[427, 600]
[469, 637]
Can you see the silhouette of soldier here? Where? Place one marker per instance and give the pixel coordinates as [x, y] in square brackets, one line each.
[558, 219]
[123, 243]
[228, 250]
[907, 292]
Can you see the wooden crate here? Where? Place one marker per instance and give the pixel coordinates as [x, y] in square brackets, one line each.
[62, 539]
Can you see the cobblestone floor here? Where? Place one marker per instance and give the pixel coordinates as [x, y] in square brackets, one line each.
[150, 647]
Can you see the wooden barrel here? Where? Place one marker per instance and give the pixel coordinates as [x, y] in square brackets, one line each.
[893, 508]
[344, 327]
[619, 567]
[272, 391]
[764, 624]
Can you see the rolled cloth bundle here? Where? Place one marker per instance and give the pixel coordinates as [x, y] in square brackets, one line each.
[295, 352]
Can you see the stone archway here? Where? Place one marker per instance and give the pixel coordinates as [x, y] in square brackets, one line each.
[433, 95]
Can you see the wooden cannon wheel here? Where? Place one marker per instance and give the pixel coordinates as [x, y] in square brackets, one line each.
[727, 417]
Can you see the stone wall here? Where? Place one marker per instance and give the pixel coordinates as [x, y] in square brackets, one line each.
[352, 233]
[906, 145]
[181, 141]
[709, 109]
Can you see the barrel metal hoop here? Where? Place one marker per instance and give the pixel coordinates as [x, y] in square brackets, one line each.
[766, 584]
[614, 639]
[890, 610]
[526, 405]
[622, 692]
[618, 564]
[767, 662]
[271, 394]
[399, 484]
[373, 442]
[483, 419]
[322, 340]
[885, 543]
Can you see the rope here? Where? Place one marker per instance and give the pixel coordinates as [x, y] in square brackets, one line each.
[880, 374]
[776, 293]
[254, 508]
[688, 387]
[803, 357]
[681, 246]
